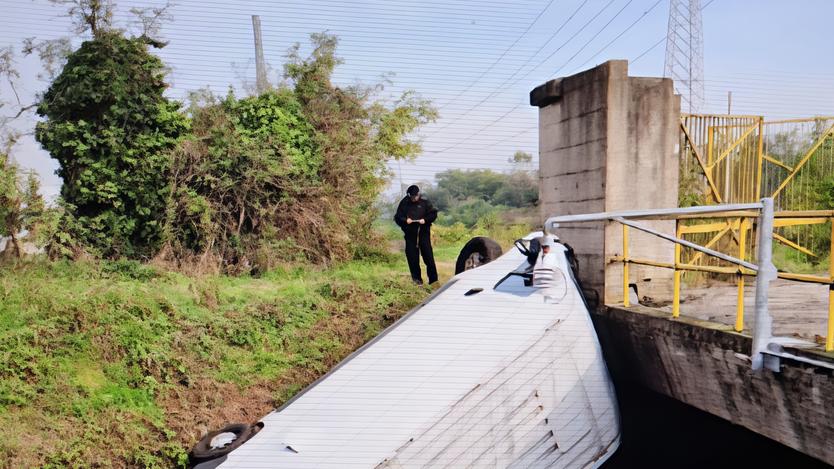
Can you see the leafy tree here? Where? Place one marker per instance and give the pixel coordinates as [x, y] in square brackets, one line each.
[22, 208]
[356, 133]
[293, 172]
[478, 183]
[825, 188]
[519, 190]
[514, 189]
[232, 180]
[521, 157]
[21, 205]
[109, 126]
[467, 196]
[468, 212]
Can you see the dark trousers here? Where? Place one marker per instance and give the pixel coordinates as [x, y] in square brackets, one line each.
[417, 243]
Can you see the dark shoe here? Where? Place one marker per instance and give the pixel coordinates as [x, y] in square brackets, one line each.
[417, 281]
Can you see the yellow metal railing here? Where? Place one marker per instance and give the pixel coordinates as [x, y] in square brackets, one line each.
[626, 293]
[730, 152]
[739, 223]
[755, 221]
[829, 338]
[742, 158]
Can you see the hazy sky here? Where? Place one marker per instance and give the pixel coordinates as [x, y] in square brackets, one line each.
[476, 60]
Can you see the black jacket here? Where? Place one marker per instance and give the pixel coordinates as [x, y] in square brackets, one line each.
[414, 210]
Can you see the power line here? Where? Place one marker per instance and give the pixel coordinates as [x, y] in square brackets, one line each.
[659, 42]
[518, 106]
[221, 10]
[579, 31]
[486, 37]
[472, 83]
[366, 38]
[531, 57]
[516, 132]
[548, 57]
[622, 33]
[593, 37]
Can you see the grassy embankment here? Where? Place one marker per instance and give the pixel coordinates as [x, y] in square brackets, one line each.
[114, 364]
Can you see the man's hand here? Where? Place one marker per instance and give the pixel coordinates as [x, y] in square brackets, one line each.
[422, 221]
[408, 221]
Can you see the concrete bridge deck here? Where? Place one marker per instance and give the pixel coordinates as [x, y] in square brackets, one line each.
[707, 365]
[799, 309]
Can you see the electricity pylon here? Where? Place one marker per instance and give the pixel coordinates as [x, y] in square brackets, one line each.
[685, 52]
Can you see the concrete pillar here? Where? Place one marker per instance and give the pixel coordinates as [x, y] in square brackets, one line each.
[608, 142]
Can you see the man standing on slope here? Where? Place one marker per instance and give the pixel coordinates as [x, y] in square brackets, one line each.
[415, 216]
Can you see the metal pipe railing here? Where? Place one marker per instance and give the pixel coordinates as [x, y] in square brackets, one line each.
[762, 322]
[655, 213]
[765, 271]
[689, 244]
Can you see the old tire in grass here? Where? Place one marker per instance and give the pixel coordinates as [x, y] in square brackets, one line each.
[222, 442]
[478, 251]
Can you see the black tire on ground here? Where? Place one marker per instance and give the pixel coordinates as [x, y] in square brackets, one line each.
[478, 251]
[203, 450]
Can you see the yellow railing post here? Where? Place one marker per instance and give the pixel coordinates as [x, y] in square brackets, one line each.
[759, 159]
[709, 167]
[829, 339]
[626, 303]
[742, 242]
[707, 173]
[676, 293]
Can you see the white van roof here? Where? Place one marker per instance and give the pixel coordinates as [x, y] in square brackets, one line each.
[501, 378]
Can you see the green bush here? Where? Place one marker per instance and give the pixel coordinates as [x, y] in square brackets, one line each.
[107, 123]
[290, 174]
[274, 122]
[235, 175]
[129, 269]
[454, 234]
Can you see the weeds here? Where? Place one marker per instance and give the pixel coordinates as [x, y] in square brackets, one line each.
[121, 364]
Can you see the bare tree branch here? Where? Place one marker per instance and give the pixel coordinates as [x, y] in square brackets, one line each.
[24, 109]
[95, 16]
[151, 20]
[14, 90]
[52, 53]
[8, 70]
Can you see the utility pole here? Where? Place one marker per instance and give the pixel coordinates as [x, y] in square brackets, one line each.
[261, 83]
[729, 102]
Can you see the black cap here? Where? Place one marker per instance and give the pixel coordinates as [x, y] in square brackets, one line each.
[413, 190]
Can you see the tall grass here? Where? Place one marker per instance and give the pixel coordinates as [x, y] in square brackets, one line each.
[120, 364]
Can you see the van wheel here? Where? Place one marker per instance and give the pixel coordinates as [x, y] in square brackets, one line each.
[478, 251]
[222, 442]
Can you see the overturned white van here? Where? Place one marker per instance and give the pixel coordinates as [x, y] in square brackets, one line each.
[495, 370]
